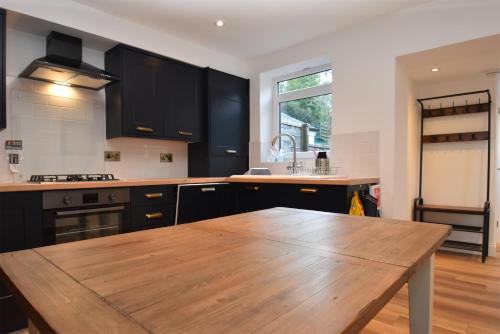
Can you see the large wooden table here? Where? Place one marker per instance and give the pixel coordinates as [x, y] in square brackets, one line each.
[273, 271]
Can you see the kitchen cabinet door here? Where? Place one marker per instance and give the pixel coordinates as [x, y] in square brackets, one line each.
[20, 228]
[228, 123]
[205, 201]
[256, 196]
[12, 317]
[153, 216]
[225, 152]
[316, 197]
[156, 97]
[141, 117]
[181, 100]
[20, 220]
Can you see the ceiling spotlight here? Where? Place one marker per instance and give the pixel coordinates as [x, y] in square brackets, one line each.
[219, 23]
[435, 69]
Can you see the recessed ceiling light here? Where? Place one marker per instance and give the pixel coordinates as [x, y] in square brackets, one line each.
[219, 23]
[435, 69]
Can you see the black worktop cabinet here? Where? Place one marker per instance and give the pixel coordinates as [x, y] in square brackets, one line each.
[227, 124]
[327, 198]
[157, 97]
[3, 120]
[20, 226]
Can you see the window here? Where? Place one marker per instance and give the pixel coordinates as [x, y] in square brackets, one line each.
[304, 107]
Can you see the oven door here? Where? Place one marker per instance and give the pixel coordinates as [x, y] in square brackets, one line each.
[66, 225]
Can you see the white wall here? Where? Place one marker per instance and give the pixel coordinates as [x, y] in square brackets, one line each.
[364, 62]
[407, 145]
[63, 129]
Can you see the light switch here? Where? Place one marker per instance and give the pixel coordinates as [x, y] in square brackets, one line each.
[112, 156]
[166, 157]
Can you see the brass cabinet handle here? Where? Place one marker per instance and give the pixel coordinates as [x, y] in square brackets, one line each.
[231, 151]
[252, 188]
[155, 215]
[209, 189]
[153, 195]
[144, 129]
[309, 190]
[185, 133]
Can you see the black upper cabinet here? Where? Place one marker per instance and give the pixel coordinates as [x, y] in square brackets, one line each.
[3, 121]
[227, 121]
[140, 92]
[183, 104]
[228, 113]
[157, 97]
[228, 128]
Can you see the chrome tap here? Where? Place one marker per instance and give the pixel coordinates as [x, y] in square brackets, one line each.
[294, 166]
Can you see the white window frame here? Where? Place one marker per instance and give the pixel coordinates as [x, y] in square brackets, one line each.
[295, 95]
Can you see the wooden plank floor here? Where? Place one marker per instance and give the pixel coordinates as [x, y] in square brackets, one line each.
[466, 299]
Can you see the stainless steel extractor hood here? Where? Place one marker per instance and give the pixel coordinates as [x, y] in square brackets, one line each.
[63, 65]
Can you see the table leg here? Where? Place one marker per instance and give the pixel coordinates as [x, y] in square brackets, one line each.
[32, 329]
[420, 295]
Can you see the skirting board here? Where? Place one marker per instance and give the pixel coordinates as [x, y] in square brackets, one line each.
[492, 250]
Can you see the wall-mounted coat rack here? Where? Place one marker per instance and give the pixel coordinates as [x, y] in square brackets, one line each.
[419, 208]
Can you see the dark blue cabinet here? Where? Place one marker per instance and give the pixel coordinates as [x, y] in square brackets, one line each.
[204, 201]
[227, 124]
[157, 97]
[20, 228]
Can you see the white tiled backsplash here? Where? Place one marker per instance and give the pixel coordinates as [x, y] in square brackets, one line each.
[357, 153]
[64, 131]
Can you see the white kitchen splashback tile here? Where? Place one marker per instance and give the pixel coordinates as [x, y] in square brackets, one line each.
[63, 131]
[357, 153]
[140, 158]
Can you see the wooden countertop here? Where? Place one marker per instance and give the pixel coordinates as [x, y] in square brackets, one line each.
[320, 180]
[273, 271]
[27, 186]
[303, 179]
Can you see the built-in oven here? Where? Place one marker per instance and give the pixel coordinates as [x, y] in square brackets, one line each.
[73, 215]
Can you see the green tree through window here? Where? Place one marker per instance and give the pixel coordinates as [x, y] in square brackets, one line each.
[314, 110]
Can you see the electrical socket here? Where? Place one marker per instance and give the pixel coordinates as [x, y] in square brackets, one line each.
[112, 156]
[166, 157]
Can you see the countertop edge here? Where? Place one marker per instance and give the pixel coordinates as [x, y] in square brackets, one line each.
[23, 187]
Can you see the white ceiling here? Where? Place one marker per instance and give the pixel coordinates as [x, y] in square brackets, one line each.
[252, 28]
[478, 56]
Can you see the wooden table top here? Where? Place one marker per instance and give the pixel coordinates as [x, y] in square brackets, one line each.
[272, 271]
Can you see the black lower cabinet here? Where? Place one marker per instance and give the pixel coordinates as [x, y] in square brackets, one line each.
[257, 196]
[146, 217]
[333, 198]
[12, 318]
[204, 201]
[152, 207]
[20, 228]
[316, 197]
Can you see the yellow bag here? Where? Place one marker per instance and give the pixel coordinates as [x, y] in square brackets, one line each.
[356, 206]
